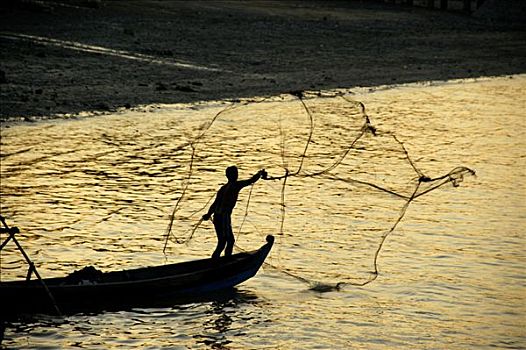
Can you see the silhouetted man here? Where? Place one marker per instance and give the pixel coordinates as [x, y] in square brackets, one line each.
[222, 209]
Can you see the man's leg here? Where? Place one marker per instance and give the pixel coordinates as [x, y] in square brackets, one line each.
[230, 240]
[221, 236]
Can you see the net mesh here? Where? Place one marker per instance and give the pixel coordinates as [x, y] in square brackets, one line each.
[335, 181]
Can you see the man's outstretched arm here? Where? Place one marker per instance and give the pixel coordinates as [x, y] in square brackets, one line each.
[260, 174]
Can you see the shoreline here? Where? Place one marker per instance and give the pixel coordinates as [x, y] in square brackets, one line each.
[121, 55]
[30, 120]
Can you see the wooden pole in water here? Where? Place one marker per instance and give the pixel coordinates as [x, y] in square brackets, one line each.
[431, 4]
[11, 231]
[443, 4]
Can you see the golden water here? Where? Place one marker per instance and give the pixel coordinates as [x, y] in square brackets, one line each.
[98, 191]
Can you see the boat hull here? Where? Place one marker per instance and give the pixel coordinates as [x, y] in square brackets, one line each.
[167, 284]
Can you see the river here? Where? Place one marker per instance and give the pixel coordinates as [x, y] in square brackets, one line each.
[99, 191]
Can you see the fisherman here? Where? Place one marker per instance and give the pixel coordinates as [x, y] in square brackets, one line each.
[223, 205]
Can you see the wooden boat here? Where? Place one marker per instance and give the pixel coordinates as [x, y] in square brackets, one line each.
[95, 290]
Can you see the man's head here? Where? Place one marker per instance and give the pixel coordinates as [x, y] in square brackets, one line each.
[231, 173]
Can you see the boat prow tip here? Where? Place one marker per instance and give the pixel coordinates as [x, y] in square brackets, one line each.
[270, 239]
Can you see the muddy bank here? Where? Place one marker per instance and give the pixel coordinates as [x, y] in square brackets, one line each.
[69, 59]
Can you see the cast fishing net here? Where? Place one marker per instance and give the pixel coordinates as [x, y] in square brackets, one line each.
[338, 185]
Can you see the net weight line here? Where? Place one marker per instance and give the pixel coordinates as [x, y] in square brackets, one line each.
[455, 176]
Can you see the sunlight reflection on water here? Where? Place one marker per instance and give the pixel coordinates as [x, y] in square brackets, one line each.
[98, 191]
